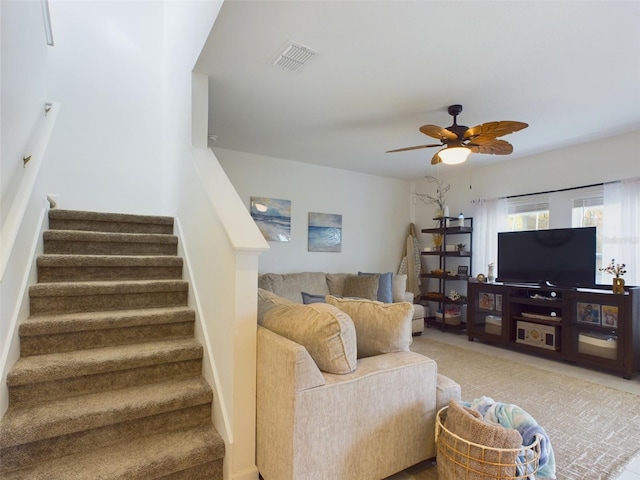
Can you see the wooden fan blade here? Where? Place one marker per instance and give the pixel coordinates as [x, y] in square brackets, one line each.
[414, 148]
[436, 158]
[438, 132]
[494, 129]
[491, 146]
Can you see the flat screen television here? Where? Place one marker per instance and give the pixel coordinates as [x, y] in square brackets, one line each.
[564, 257]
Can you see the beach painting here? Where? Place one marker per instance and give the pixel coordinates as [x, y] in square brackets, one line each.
[273, 218]
[325, 232]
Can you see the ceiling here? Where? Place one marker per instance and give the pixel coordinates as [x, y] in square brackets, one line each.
[570, 69]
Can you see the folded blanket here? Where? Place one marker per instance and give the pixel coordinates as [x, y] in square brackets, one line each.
[512, 416]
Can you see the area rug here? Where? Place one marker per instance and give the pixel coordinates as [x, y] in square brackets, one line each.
[594, 429]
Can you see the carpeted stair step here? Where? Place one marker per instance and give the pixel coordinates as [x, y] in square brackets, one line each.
[62, 427]
[109, 222]
[78, 331]
[70, 297]
[78, 268]
[192, 454]
[109, 382]
[42, 378]
[103, 437]
[71, 242]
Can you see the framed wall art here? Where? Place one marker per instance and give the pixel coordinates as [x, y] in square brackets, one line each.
[273, 218]
[325, 232]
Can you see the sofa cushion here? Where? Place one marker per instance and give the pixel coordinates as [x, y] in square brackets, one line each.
[384, 286]
[326, 332]
[335, 282]
[308, 298]
[290, 285]
[399, 288]
[468, 424]
[361, 287]
[266, 301]
[380, 327]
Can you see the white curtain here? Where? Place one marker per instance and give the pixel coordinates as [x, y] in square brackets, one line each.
[621, 227]
[490, 217]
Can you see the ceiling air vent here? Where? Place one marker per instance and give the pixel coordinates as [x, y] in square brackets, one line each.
[292, 56]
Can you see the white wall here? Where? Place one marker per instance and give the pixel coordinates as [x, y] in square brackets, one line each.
[106, 70]
[23, 93]
[375, 212]
[187, 26]
[22, 97]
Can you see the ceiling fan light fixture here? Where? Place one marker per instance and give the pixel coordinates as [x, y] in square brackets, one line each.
[454, 155]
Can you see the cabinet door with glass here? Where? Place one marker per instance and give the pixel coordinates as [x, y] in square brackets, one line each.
[486, 311]
[596, 333]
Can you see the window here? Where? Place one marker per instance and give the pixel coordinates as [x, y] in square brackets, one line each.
[528, 214]
[588, 212]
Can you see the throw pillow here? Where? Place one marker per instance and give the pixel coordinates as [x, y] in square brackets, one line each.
[384, 286]
[308, 298]
[468, 424]
[399, 287]
[380, 327]
[327, 333]
[335, 282]
[361, 287]
[266, 301]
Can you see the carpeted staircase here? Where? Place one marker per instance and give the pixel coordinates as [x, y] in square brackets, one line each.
[109, 382]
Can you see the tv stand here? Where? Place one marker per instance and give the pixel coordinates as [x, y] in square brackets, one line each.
[593, 327]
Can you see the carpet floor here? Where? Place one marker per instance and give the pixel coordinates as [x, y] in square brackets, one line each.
[594, 429]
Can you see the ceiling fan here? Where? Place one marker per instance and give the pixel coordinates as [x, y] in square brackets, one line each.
[459, 141]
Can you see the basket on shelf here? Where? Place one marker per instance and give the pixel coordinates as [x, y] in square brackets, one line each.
[460, 459]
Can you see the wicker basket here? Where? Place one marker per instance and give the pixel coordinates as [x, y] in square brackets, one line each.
[459, 459]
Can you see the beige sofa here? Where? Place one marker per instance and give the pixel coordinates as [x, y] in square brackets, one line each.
[371, 419]
[292, 285]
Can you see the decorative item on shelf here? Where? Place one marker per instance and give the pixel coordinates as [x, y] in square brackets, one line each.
[439, 199]
[461, 246]
[437, 240]
[481, 278]
[618, 285]
[490, 275]
[446, 216]
[617, 269]
[455, 296]
[461, 220]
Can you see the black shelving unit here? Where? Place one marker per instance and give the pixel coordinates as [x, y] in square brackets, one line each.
[443, 275]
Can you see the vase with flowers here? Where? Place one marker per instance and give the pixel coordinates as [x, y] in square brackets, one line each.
[439, 200]
[618, 270]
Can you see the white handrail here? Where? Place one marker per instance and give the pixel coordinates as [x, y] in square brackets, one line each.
[39, 141]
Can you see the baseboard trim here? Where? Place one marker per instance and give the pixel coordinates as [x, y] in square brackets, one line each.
[210, 373]
[11, 347]
[247, 474]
